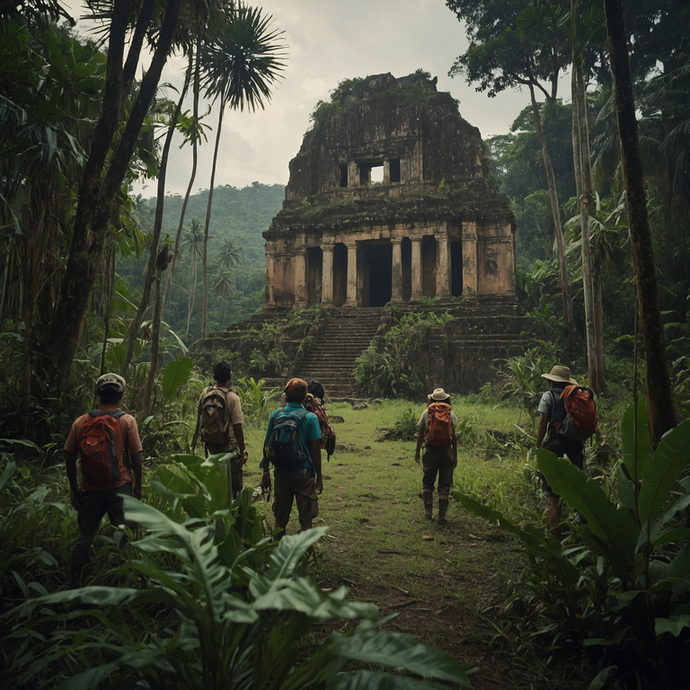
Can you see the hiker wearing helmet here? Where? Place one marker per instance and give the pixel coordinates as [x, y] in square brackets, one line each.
[437, 431]
[100, 439]
[559, 432]
[292, 446]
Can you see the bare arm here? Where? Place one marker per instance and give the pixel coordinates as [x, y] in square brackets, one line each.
[238, 431]
[543, 425]
[315, 451]
[135, 458]
[420, 440]
[71, 465]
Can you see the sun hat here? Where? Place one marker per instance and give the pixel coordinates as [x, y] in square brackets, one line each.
[560, 373]
[439, 394]
[296, 387]
[113, 382]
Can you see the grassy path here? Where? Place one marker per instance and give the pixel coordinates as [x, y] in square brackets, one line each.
[445, 582]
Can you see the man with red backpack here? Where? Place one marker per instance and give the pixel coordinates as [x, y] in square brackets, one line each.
[314, 403]
[100, 439]
[437, 430]
[568, 418]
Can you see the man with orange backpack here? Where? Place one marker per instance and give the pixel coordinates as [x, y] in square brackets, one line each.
[568, 418]
[100, 438]
[437, 430]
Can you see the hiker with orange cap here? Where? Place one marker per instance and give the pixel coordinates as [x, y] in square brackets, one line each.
[292, 446]
[437, 431]
[549, 434]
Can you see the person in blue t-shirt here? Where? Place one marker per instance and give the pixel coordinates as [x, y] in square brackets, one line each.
[303, 483]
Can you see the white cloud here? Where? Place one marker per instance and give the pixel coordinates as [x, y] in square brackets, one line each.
[328, 41]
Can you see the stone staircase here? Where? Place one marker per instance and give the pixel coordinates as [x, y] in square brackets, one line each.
[331, 360]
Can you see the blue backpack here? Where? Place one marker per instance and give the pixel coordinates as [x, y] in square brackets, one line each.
[285, 448]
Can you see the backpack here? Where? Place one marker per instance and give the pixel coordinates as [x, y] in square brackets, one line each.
[285, 448]
[327, 431]
[99, 460]
[440, 425]
[213, 412]
[575, 413]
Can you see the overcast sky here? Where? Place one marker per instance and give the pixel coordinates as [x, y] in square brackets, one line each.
[328, 41]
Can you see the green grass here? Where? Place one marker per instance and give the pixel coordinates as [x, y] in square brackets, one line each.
[446, 582]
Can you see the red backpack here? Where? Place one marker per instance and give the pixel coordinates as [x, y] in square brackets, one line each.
[575, 413]
[327, 431]
[440, 425]
[99, 460]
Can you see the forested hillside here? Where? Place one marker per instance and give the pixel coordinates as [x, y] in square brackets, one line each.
[237, 263]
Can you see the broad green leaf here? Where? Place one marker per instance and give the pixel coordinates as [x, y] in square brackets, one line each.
[674, 625]
[7, 473]
[88, 680]
[671, 536]
[681, 504]
[304, 597]
[680, 566]
[643, 453]
[614, 527]
[671, 457]
[399, 651]
[380, 680]
[176, 374]
[626, 489]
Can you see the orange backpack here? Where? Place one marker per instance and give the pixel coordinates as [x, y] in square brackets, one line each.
[99, 460]
[575, 413]
[440, 425]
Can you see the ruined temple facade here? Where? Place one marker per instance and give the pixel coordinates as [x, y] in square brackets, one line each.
[389, 201]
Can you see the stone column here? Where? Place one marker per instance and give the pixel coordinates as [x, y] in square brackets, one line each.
[327, 273]
[442, 268]
[469, 258]
[396, 270]
[300, 271]
[270, 272]
[351, 300]
[416, 269]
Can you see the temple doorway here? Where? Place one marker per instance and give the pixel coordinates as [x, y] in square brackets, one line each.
[375, 259]
[314, 274]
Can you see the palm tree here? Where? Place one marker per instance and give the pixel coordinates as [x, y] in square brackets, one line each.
[240, 66]
[193, 242]
[229, 255]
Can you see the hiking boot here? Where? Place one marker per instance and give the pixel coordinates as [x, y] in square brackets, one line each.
[428, 498]
[442, 509]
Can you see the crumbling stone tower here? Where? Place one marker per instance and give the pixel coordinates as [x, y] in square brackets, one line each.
[389, 201]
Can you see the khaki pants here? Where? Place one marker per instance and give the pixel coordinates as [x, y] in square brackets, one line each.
[301, 488]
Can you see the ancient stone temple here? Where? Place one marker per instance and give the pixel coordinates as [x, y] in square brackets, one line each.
[390, 210]
[389, 201]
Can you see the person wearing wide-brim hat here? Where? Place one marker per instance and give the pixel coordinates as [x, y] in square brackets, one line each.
[547, 437]
[440, 451]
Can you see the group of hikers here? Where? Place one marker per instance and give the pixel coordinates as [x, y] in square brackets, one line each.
[296, 435]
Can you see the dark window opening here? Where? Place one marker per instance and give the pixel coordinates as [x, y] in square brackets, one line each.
[395, 170]
[339, 275]
[343, 175]
[364, 174]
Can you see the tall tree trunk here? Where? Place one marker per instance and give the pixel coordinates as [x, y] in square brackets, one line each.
[579, 100]
[662, 416]
[109, 289]
[555, 210]
[162, 262]
[157, 226]
[195, 159]
[192, 297]
[98, 194]
[209, 206]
